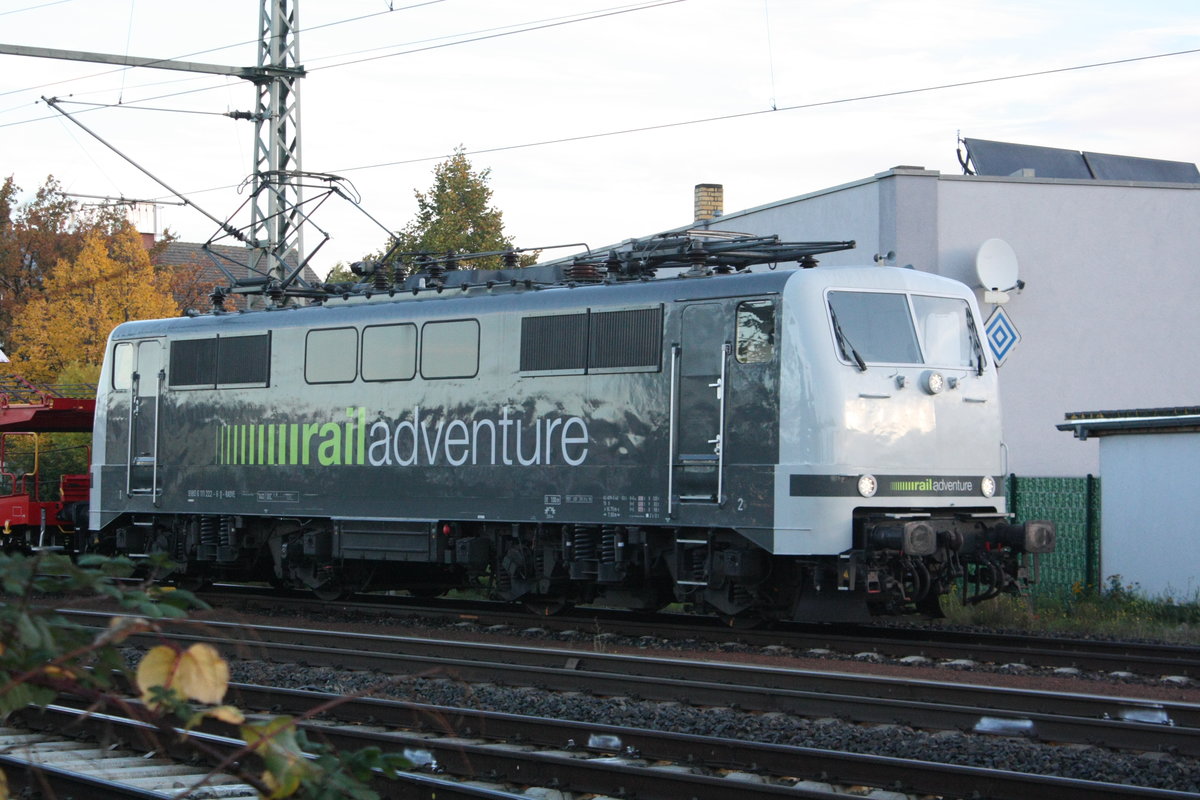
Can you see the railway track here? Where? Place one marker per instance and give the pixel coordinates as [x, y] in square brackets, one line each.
[1114, 722]
[1144, 658]
[500, 755]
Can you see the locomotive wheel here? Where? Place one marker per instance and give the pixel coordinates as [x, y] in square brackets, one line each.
[547, 607]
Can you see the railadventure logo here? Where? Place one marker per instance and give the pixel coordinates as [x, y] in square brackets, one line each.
[424, 438]
[933, 486]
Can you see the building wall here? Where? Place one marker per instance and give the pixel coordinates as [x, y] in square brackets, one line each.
[1112, 299]
[1147, 535]
[1108, 311]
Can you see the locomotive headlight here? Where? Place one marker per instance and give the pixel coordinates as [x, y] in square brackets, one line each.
[988, 485]
[867, 485]
[933, 382]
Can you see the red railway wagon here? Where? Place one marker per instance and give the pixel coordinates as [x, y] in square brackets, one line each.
[28, 517]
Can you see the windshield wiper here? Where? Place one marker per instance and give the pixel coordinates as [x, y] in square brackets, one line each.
[976, 345]
[844, 342]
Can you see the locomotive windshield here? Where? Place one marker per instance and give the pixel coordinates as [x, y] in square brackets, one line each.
[894, 328]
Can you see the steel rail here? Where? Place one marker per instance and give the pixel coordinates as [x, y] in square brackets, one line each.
[1147, 658]
[1118, 722]
[26, 779]
[80, 720]
[596, 758]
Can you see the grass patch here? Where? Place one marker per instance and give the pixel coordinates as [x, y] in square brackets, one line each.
[1116, 610]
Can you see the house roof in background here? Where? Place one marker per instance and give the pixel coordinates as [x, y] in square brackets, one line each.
[189, 254]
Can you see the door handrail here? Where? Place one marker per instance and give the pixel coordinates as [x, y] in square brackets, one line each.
[162, 377]
[671, 423]
[722, 394]
[134, 387]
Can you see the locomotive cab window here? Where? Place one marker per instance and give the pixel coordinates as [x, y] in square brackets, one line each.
[122, 370]
[875, 327]
[755, 342]
[947, 331]
[331, 355]
[450, 349]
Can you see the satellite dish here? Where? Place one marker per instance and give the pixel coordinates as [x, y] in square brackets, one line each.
[996, 265]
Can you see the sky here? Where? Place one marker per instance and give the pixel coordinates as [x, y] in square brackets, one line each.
[594, 118]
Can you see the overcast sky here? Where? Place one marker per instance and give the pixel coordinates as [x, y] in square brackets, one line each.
[389, 94]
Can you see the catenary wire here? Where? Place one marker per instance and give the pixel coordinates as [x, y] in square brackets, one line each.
[745, 114]
[484, 36]
[795, 107]
[486, 33]
[207, 51]
[34, 8]
[648, 128]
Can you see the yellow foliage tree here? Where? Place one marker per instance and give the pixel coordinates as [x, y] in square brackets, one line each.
[110, 282]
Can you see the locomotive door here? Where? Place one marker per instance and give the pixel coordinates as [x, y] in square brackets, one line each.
[699, 366]
[144, 381]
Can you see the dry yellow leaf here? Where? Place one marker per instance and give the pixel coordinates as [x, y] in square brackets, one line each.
[203, 675]
[52, 671]
[230, 714]
[157, 668]
[198, 673]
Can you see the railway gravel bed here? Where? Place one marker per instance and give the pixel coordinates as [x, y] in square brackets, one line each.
[1154, 772]
[1161, 770]
[1151, 770]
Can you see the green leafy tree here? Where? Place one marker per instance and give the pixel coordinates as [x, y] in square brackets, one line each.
[457, 215]
[341, 274]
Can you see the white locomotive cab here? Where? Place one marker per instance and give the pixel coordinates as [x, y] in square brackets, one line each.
[887, 401]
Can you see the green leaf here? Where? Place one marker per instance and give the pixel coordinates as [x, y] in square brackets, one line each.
[28, 633]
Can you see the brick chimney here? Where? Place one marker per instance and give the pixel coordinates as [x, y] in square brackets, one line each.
[710, 201]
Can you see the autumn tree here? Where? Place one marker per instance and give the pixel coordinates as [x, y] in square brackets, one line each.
[457, 214]
[82, 300]
[37, 235]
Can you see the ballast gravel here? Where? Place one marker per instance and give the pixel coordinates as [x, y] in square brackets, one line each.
[1153, 770]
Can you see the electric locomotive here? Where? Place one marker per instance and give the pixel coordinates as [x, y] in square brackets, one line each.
[813, 443]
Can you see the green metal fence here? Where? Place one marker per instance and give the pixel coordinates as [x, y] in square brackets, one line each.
[1073, 504]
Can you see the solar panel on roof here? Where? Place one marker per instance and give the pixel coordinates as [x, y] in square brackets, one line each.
[1131, 168]
[1006, 158]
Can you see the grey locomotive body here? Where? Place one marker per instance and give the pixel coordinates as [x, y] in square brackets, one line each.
[810, 443]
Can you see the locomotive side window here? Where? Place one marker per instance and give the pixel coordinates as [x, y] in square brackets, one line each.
[946, 330]
[450, 349]
[874, 327]
[625, 339]
[193, 363]
[244, 360]
[122, 372]
[389, 352]
[331, 355]
[555, 342]
[755, 341]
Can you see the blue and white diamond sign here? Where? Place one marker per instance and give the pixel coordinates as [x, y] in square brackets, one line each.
[1002, 335]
